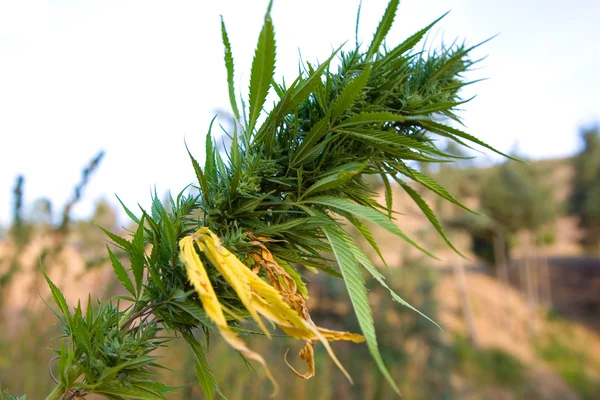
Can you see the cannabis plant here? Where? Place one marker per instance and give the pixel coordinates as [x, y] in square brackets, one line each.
[282, 197]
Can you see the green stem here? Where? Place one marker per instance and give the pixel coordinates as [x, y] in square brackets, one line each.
[57, 393]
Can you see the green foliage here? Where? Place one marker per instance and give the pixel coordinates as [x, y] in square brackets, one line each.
[358, 295]
[489, 366]
[518, 196]
[206, 379]
[230, 68]
[120, 272]
[5, 395]
[102, 353]
[570, 362]
[585, 196]
[482, 230]
[263, 68]
[427, 211]
[288, 179]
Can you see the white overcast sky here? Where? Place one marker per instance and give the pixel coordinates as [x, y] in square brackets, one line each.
[136, 78]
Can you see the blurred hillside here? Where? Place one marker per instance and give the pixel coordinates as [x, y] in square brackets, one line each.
[576, 272]
[519, 312]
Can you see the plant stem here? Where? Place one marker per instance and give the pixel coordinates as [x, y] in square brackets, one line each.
[57, 393]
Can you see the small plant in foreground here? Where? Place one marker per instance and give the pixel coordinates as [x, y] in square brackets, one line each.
[279, 199]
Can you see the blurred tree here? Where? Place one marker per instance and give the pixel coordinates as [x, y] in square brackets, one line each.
[517, 197]
[585, 196]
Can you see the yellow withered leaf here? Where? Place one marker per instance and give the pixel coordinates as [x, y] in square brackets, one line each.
[303, 326]
[231, 268]
[199, 279]
[278, 301]
[307, 354]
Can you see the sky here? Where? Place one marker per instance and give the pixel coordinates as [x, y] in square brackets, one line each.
[139, 79]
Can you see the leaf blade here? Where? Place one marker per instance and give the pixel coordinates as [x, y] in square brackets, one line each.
[362, 259]
[137, 256]
[367, 213]
[355, 285]
[206, 378]
[349, 93]
[59, 298]
[230, 70]
[384, 27]
[420, 202]
[263, 69]
[121, 273]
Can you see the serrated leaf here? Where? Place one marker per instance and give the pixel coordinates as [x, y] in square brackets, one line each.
[235, 163]
[230, 68]
[250, 205]
[334, 180]
[80, 334]
[221, 169]
[440, 106]
[349, 93]
[307, 223]
[121, 273]
[210, 167]
[127, 211]
[154, 387]
[308, 85]
[109, 373]
[170, 233]
[431, 184]
[410, 42]
[367, 213]
[389, 197]
[362, 259]
[464, 135]
[384, 27]
[296, 94]
[118, 240]
[58, 297]
[358, 296]
[357, 23]
[156, 207]
[428, 213]
[206, 378]
[89, 313]
[458, 58]
[315, 267]
[313, 136]
[131, 299]
[263, 68]
[130, 392]
[366, 233]
[313, 154]
[194, 311]
[389, 142]
[365, 118]
[137, 256]
[199, 174]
